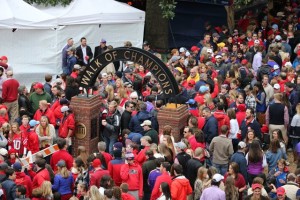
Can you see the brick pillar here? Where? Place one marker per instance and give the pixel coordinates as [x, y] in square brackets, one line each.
[86, 110]
[175, 116]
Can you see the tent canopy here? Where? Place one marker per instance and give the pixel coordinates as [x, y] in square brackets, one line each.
[19, 14]
[95, 12]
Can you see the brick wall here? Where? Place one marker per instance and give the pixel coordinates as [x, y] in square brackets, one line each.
[175, 117]
[86, 109]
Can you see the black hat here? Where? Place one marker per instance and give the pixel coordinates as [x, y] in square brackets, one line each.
[146, 43]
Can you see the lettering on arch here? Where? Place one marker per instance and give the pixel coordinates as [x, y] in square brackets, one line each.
[158, 69]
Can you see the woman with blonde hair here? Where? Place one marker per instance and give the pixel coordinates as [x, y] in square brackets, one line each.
[168, 141]
[110, 92]
[45, 191]
[94, 193]
[208, 101]
[17, 140]
[118, 84]
[122, 94]
[45, 132]
[63, 181]
[202, 177]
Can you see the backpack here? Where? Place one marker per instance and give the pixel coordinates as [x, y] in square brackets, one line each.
[263, 70]
[243, 72]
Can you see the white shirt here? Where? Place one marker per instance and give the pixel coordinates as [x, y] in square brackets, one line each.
[234, 129]
[84, 54]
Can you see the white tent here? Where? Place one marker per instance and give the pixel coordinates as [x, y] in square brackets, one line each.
[34, 50]
[19, 14]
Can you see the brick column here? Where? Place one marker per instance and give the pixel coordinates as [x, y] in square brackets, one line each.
[175, 116]
[86, 110]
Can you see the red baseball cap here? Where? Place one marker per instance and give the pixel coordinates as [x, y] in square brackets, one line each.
[195, 48]
[38, 86]
[270, 32]
[244, 62]
[191, 82]
[3, 58]
[256, 185]
[96, 162]
[280, 191]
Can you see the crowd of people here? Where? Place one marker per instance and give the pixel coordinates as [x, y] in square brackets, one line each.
[242, 91]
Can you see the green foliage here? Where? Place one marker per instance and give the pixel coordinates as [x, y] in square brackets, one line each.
[168, 8]
[50, 2]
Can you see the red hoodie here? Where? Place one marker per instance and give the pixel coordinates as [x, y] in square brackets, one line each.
[222, 119]
[180, 188]
[133, 176]
[48, 112]
[126, 196]
[141, 157]
[165, 177]
[240, 116]
[23, 179]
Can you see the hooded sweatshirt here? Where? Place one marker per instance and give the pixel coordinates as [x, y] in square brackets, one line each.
[222, 119]
[180, 188]
[23, 179]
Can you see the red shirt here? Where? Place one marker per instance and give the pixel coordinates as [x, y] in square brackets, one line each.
[61, 155]
[24, 129]
[10, 90]
[141, 157]
[67, 123]
[165, 177]
[107, 157]
[39, 178]
[48, 112]
[19, 142]
[114, 167]
[33, 142]
[194, 144]
[133, 176]
[22, 178]
[96, 176]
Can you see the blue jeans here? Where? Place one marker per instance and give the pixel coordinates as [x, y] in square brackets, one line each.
[222, 169]
[110, 141]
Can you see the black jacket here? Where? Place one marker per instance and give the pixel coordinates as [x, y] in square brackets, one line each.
[210, 128]
[80, 57]
[147, 167]
[98, 51]
[192, 167]
[125, 119]
[24, 104]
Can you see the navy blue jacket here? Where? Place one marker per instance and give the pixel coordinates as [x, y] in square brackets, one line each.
[210, 128]
[10, 189]
[137, 120]
[239, 158]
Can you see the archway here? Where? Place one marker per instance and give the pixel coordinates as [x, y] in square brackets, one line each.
[158, 69]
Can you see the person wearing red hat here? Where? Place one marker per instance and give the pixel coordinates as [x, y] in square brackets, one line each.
[38, 95]
[281, 194]
[97, 173]
[10, 95]
[256, 188]
[3, 62]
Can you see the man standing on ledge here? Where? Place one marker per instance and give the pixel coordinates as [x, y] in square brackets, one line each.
[84, 53]
[10, 95]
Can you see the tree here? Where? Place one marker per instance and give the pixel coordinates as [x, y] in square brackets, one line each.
[156, 27]
[50, 2]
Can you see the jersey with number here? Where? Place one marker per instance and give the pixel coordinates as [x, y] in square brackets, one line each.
[19, 142]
